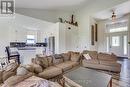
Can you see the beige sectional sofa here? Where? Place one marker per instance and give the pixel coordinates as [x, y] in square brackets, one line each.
[57, 64]
[101, 61]
[46, 67]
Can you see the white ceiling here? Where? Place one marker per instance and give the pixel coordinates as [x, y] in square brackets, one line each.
[48, 4]
[120, 10]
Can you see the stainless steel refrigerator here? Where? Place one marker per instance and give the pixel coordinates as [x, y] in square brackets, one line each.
[51, 44]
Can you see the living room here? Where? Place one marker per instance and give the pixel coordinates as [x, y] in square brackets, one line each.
[80, 40]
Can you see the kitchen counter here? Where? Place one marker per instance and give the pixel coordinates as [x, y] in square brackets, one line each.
[27, 53]
[27, 48]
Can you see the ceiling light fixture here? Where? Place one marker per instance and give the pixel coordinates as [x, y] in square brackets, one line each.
[113, 16]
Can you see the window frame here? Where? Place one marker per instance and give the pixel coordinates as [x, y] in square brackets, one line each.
[31, 39]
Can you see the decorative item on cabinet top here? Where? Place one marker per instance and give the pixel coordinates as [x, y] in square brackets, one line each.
[72, 21]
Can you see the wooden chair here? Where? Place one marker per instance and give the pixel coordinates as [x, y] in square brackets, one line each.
[12, 55]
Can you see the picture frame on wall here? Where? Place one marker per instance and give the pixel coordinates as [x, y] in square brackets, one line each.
[96, 32]
[92, 34]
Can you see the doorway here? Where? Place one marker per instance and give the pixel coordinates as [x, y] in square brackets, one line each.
[117, 38]
[117, 43]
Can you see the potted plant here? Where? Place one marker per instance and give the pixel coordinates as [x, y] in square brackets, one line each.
[129, 43]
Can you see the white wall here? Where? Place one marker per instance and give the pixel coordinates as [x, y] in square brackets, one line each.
[95, 46]
[4, 35]
[102, 46]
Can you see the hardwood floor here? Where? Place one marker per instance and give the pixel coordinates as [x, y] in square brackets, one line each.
[124, 80]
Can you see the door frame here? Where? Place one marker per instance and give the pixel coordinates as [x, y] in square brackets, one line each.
[109, 35]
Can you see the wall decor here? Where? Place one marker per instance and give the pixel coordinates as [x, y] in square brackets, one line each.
[96, 32]
[92, 35]
[60, 20]
[72, 21]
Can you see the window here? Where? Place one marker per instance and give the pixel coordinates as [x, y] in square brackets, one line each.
[117, 27]
[125, 44]
[30, 39]
[107, 38]
[116, 41]
[112, 30]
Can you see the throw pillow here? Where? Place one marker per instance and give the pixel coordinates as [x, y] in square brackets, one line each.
[50, 61]
[42, 61]
[57, 56]
[66, 56]
[57, 59]
[93, 54]
[37, 68]
[40, 55]
[87, 57]
[29, 67]
[22, 71]
[75, 56]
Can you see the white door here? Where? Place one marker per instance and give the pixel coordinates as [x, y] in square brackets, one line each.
[118, 44]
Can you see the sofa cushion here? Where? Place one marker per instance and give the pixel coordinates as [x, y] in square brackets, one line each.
[7, 74]
[50, 72]
[75, 56]
[37, 68]
[29, 67]
[42, 61]
[103, 67]
[16, 79]
[66, 56]
[50, 60]
[73, 64]
[1, 76]
[40, 55]
[22, 71]
[57, 59]
[109, 63]
[93, 54]
[107, 57]
[92, 61]
[65, 66]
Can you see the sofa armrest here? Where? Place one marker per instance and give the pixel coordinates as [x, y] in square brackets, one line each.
[6, 75]
[13, 80]
[1, 74]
